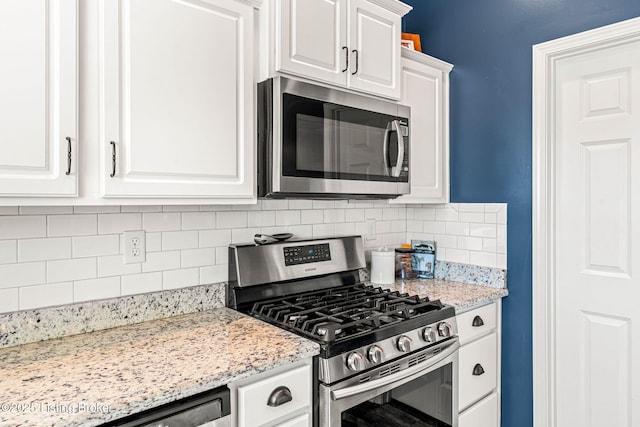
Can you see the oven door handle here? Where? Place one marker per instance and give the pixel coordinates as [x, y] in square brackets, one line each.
[399, 377]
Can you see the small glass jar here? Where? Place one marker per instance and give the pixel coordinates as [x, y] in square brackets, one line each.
[404, 270]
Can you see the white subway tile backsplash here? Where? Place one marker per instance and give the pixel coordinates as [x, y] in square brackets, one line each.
[8, 252]
[179, 240]
[261, 218]
[198, 257]
[482, 258]
[180, 278]
[24, 274]
[198, 220]
[91, 246]
[44, 249]
[45, 210]
[483, 230]
[46, 295]
[161, 221]
[153, 241]
[117, 223]
[314, 216]
[214, 274]
[71, 269]
[114, 266]
[334, 215]
[287, 217]
[9, 300]
[231, 219]
[9, 210]
[159, 261]
[141, 283]
[92, 289]
[23, 227]
[213, 238]
[188, 245]
[72, 225]
[96, 209]
[274, 205]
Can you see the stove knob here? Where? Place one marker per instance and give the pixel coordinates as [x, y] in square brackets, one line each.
[429, 334]
[355, 361]
[375, 354]
[404, 344]
[444, 330]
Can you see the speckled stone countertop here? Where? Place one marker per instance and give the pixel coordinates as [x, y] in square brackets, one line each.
[462, 296]
[89, 379]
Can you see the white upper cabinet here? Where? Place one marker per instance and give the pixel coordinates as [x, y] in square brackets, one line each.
[350, 43]
[177, 99]
[425, 88]
[38, 98]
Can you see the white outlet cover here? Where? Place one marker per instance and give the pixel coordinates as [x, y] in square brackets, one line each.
[135, 248]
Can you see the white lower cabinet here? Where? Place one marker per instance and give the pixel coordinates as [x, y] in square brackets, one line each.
[279, 398]
[482, 414]
[479, 366]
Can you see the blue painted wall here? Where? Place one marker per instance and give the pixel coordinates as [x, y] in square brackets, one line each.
[489, 42]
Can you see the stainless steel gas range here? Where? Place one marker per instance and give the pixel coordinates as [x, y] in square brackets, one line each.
[386, 358]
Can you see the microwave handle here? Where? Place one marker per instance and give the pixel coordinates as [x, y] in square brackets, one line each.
[398, 167]
[393, 170]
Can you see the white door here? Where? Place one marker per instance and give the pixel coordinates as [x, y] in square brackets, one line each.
[374, 40]
[38, 97]
[312, 40]
[597, 134]
[177, 98]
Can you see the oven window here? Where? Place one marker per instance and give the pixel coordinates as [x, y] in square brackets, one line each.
[330, 141]
[424, 402]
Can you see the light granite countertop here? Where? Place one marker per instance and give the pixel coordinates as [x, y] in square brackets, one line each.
[92, 378]
[462, 296]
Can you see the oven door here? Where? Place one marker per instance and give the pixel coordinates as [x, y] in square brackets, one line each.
[420, 389]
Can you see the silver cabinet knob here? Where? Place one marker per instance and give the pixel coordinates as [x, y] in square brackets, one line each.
[444, 329]
[354, 361]
[375, 354]
[429, 334]
[404, 344]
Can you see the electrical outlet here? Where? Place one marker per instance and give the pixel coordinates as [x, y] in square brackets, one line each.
[135, 248]
[371, 229]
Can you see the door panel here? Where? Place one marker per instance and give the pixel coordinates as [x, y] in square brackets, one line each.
[597, 137]
[178, 98]
[375, 34]
[38, 106]
[312, 39]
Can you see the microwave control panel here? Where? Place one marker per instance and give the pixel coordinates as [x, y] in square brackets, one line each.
[294, 255]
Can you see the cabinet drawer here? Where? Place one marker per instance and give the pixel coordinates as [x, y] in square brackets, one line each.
[484, 319]
[301, 421]
[252, 398]
[482, 414]
[477, 370]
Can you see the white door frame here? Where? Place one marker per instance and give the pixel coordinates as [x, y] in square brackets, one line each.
[545, 56]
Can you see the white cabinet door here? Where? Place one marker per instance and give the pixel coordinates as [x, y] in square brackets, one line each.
[303, 420]
[374, 39]
[425, 88]
[313, 40]
[177, 99]
[38, 97]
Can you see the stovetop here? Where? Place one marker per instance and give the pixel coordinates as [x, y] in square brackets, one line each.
[346, 317]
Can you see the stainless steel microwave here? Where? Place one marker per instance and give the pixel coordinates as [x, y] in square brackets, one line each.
[316, 142]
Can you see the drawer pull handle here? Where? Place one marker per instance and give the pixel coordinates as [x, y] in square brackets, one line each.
[346, 66]
[68, 172]
[478, 370]
[279, 396]
[113, 159]
[477, 322]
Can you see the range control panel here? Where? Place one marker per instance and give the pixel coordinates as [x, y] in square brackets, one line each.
[294, 255]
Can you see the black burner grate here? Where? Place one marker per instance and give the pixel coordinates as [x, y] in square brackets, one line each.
[343, 312]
